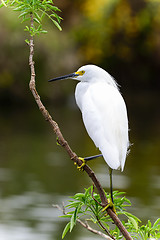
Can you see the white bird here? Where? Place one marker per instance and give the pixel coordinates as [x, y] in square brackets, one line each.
[104, 113]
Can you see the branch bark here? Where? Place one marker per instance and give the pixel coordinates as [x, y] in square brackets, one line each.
[64, 143]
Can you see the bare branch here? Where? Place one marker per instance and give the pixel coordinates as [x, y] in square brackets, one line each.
[94, 197]
[105, 229]
[65, 144]
[85, 225]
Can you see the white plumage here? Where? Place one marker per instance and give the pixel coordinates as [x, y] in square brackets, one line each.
[103, 111]
[104, 114]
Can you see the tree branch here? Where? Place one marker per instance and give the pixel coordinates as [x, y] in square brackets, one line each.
[85, 225]
[65, 144]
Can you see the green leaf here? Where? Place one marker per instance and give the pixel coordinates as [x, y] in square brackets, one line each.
[149, 224]
[3, 3]
[27, 29]
[74, 204]
[39, 29]
[22, 14]
[116, 193]
[36, 20]
[71, 212]
[54, 8]
[56, 24]
[20, 8]
[72, 222]
[75, 213]
[66, 229]
[66, 216]
[74, 218]
[129, 215]
[57, 17]
[27, 41]
[156, 224]
[134, 223]
[25, 19]
[87, 192]
[43, 31]
[78, 196]
[42, 16]
[37, 16]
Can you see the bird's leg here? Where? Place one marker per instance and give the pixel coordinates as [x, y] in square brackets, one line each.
[110, 201]
[84, 160]
[110, 205]
[92, 157]
[111, 184]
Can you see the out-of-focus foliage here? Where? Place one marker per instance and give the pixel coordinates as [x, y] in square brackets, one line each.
[114, 33]
[113, 27]
[122, 36]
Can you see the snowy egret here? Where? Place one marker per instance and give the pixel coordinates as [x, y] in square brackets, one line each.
[104, 114]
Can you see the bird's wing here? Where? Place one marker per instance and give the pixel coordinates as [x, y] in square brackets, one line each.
[105, 118]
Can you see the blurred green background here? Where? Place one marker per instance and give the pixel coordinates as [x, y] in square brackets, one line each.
[121, 36]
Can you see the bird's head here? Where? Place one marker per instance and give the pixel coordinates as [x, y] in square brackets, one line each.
[89, 73]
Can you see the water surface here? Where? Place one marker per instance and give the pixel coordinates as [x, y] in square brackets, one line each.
[36, 173]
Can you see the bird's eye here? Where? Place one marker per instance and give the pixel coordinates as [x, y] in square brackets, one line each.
[80, 73]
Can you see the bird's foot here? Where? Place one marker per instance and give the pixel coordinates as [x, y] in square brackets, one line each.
[110, 205]
[86, 159]
[82, 165]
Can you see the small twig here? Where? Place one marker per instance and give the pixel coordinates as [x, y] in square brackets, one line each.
[102, 226]
[94, 197]
[85, 225]
[105, 229]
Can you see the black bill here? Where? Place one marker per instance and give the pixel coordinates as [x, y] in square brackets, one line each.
[71, 75]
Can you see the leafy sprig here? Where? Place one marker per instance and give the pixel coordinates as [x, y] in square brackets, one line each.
[86, 207]
[39, 9]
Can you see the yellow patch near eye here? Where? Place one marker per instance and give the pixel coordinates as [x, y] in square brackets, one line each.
[80, 73]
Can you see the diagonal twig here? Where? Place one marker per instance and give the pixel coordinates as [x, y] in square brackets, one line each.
[85, 224]
[99, 222]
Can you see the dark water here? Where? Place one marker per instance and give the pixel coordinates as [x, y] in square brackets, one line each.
[36, 173]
